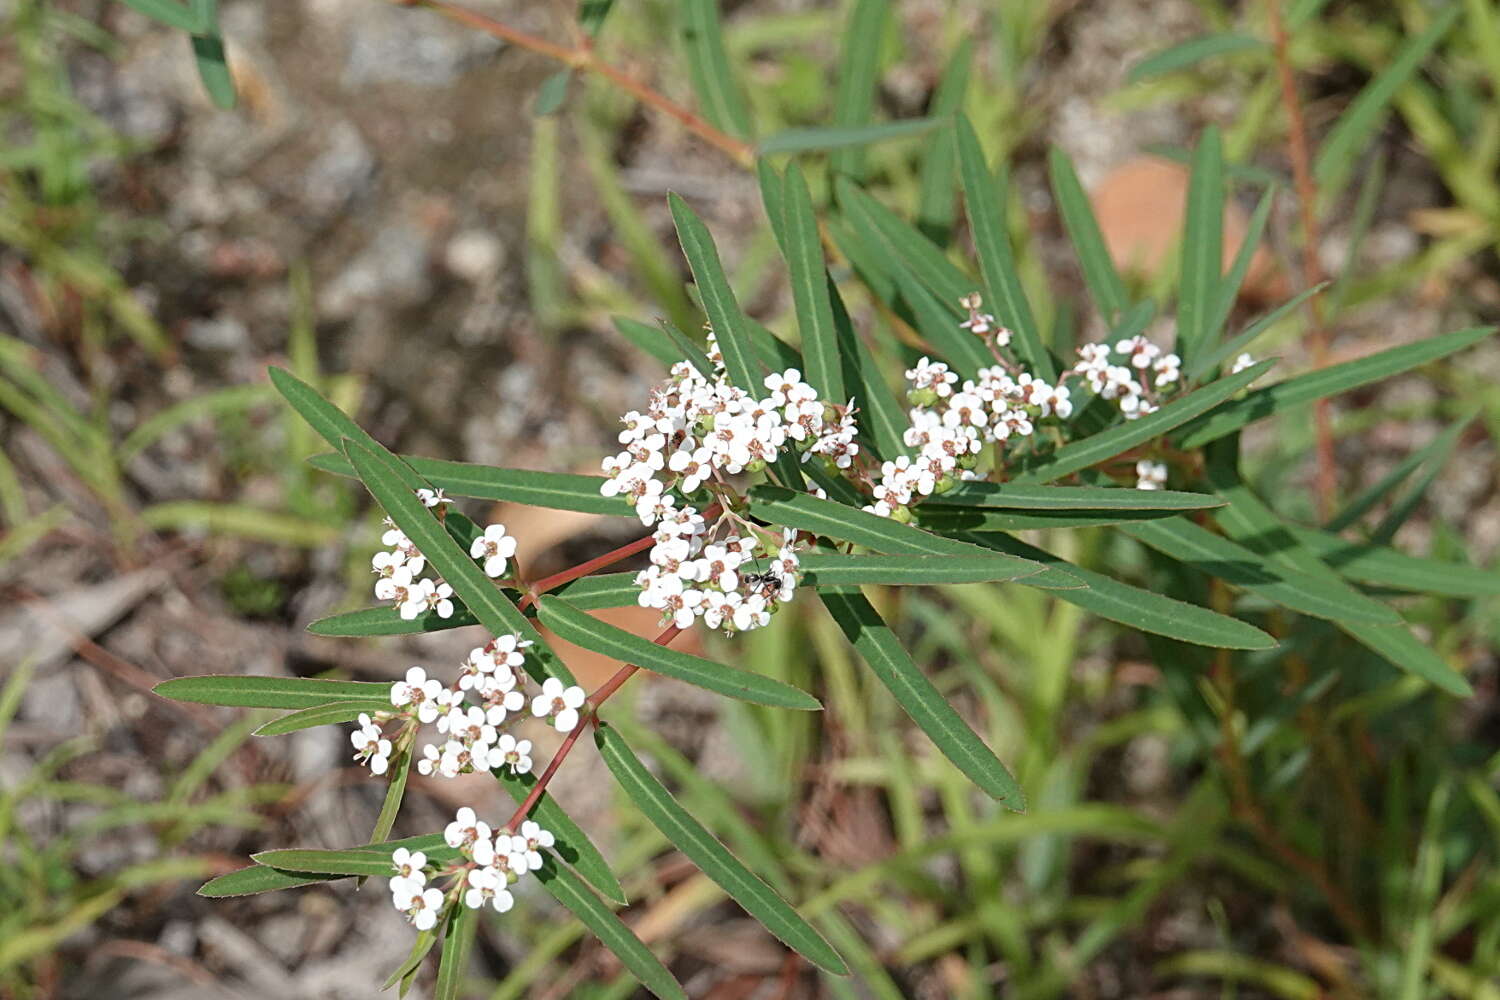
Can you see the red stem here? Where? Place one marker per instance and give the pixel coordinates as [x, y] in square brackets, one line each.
[589, 718]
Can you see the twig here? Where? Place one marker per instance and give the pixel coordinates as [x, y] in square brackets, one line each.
[584, 59]
[1326, 483]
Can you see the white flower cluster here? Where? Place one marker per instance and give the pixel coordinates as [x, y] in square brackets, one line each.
[1150, 475]
[398, 568]
[950, 424]
[694, 432]
[491, 862]
[1129, 385]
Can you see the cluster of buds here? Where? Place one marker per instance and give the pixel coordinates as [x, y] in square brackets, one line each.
[489, 863]
[694, 432]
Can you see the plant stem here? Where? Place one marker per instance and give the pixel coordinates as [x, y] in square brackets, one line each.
[1298, 151]
[589, 718]
[584, 59]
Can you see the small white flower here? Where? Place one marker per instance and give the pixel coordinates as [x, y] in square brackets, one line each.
[431, 759]
[411, 875]
[431, 498]
[465, 830]
[512, 753]
[371, 746]
[419, 690]
[559, 703]
[420, 908]
[1241, 363]
[531, 840]
[1150, 475]
[494, 547]
[395, 586]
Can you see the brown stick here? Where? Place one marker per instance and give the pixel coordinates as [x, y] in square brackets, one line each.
[1298, 151]
[584, 59]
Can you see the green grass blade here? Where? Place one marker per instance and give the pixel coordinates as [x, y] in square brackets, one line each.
[168, 12]
[858, 77]
[572, 844]
[1138, 608]
[601, 637]
[1190, 53]
[808, 277]
[997, 261]
[1196, 546]
[1099, 273]
[1020, 496]
[249, 691]
[379, 471]
[1340, 151]
[708, 65]
[724, 315]
[570, 891]
[893, 667]
[1262, 403]
[555, 490]
[834, 569]
[1092, 450]
[937, 201]
[1202, 247]
[319, 715]
[688, 835]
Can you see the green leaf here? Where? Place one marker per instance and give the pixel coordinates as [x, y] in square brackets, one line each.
[1202, 247]
[843, 141]
[898, 244]
[882, 651]
[407, 969]
[997, 262]
[600, 637]
[708, 65]
[1191, 52]
[379, 470]
[688, 835]
[880, 418]
[834, 520]
[808, 277]
[1138, 608]
[1120, 438]
[551, 94]
[570, 891]
[1215, 555]
[953, 520]
[936, 203]
[554, 490]
[1379, 566]
[395, 790]
[1229, 287]
[1340, 151]
[249, 691]
[1251, 523]
[256, 879]
[835, 569]
[373, 861]
[453, 962]
[1019, 496]
[724, 315]
[1210, 359]
[168, 12]
[319, 715]
[329, 421]
[858, 77]
[939, 326]
[648, 338]
[572, 844]
[1261, 403]
[1098, 268]
[213, 69]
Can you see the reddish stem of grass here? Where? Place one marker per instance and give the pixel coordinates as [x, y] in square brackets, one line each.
[590, 718]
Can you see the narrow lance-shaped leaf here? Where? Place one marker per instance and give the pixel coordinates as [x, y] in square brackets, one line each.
[568, 890]
[1202, 246]
[708, 65]
[554, 490]
[1191, 52]
[859, 68]
[1365, 500]
[372, 860]
[834, 569]
[1328, 381]
[648, 338]
[997, 262]
[1088, 242]
[257, 879]
[395, 791]
[378, 471]
[1023, 496]
[952, 520]
[458, 940]
[1122, 437]
[898, 244]
[331, 423]
[1150, 612]
[1229, 286]
[245, 691]
[724, 315]
[880, 418]
[1209, 359]
[840, 139]
[600, 637]
[809, 280]
[935, 206]
[320, 715]
[571, 845]
[893, 667]
[1379, 566]
[940, 327]
[688, 835]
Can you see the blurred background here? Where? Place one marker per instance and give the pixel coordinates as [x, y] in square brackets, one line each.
[390, 213]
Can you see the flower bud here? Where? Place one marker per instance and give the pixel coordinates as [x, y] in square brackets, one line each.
[944, 484]
[968, 462]
[921, 397]
[901, 515]
[756, 465]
